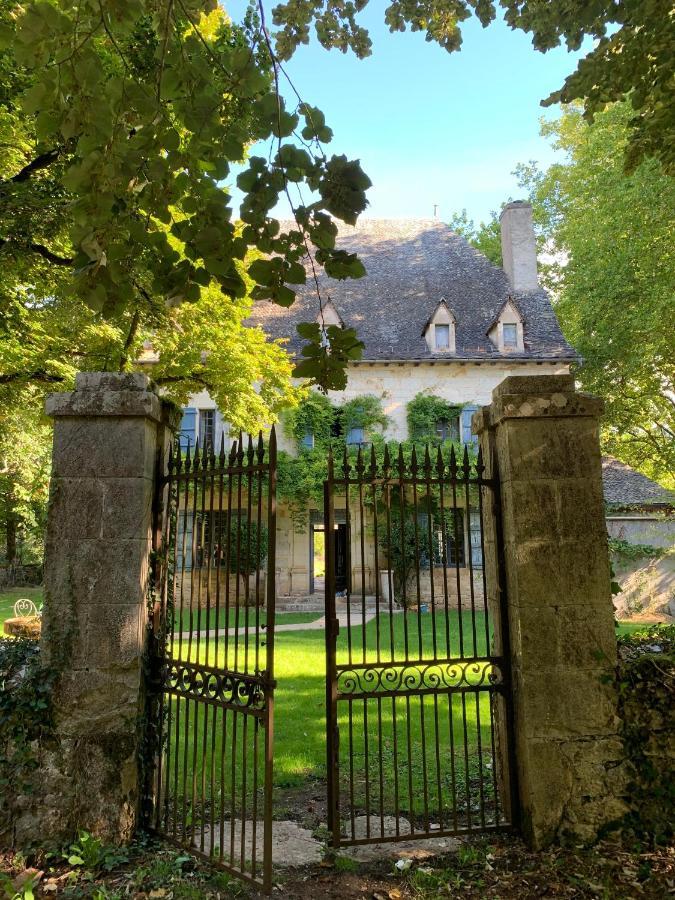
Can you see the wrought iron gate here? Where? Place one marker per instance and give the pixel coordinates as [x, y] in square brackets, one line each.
[418, 698]
[210, 789]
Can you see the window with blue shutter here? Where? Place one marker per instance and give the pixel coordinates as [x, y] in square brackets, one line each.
[188, 427]
[467, 415]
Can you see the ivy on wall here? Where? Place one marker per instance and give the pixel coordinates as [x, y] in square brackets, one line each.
[425, 412]
[301, 477]
[362, 412]
[624, 551]
[646, 683]
[315, 415]
[26, 719]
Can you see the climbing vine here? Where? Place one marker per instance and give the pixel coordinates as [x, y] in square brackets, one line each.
[625, 551]
[315, 415]
[362, 412]
[26, 687]
[424, 413]
[646, 683]
[301, 477]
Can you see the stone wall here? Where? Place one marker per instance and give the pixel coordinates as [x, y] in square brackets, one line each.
[646, 676]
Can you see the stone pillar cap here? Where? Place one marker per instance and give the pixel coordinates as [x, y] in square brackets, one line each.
[535, 397]
[120, 394]
[534, 384]
[114, 381]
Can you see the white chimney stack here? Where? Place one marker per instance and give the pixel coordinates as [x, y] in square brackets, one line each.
[519, 249]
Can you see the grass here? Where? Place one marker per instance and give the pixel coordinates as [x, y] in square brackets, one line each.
[292, 618]
[9, 596]
[388, 758]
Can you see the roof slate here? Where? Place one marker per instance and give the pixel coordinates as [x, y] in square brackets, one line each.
[411, 265]
[623, 486]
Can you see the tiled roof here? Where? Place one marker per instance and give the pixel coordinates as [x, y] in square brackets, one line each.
[411, 265]
[624, 486]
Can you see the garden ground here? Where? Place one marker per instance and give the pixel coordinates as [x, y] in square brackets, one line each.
[502, 869]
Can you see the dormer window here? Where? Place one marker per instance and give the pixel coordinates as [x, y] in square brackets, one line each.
[442, 337]
[439, 332]
[507, 329]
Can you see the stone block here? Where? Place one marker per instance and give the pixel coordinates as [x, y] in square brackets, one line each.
[531, 449]
[94, 701]
[100, 448]
[547, 572]
[574, 635]
[564, 703]
[115, 634]
[534, 384]
[114, 381]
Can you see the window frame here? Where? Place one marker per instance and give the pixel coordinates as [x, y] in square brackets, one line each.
[446, 331]
[453, 428]
[201, 414]
[510, 345]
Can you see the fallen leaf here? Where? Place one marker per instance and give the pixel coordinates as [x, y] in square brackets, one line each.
[28, 875]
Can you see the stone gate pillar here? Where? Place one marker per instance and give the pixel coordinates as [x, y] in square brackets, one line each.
[543, 438]
[107, 436]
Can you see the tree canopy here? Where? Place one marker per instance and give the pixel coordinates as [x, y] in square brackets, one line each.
[606, 242]
[612, 236]
[631, 57]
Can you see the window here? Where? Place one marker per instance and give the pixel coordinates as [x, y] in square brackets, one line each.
[510, 335]
[454, 530]
[475, 539]
[207, 428]
[307, 442]
[442, 337]
[454, 538]
[356, 436]
[448, 429]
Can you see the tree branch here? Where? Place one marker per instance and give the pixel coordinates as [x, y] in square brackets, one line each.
[45, 252]
[188, 376]
[131, 336]
[37, 375]
[40, 162]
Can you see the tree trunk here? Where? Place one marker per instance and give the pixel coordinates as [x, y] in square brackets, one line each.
[10, 538]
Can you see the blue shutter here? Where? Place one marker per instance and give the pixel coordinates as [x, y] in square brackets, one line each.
[467, 437]
[188, 427]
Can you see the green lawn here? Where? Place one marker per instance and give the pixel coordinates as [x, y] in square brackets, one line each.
[387, 747]
[199, 618]
[9, 596]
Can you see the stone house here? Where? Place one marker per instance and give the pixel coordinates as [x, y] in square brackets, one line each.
[437, 320]
[641, 527]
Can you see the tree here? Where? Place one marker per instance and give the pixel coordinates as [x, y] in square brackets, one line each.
[485, 237]
[25, 452]
[119, 123]
[632, 54]
[612, 236]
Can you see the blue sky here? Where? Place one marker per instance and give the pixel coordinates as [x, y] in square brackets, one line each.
[431, 127]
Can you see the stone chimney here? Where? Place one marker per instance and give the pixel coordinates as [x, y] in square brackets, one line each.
[519, 250]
